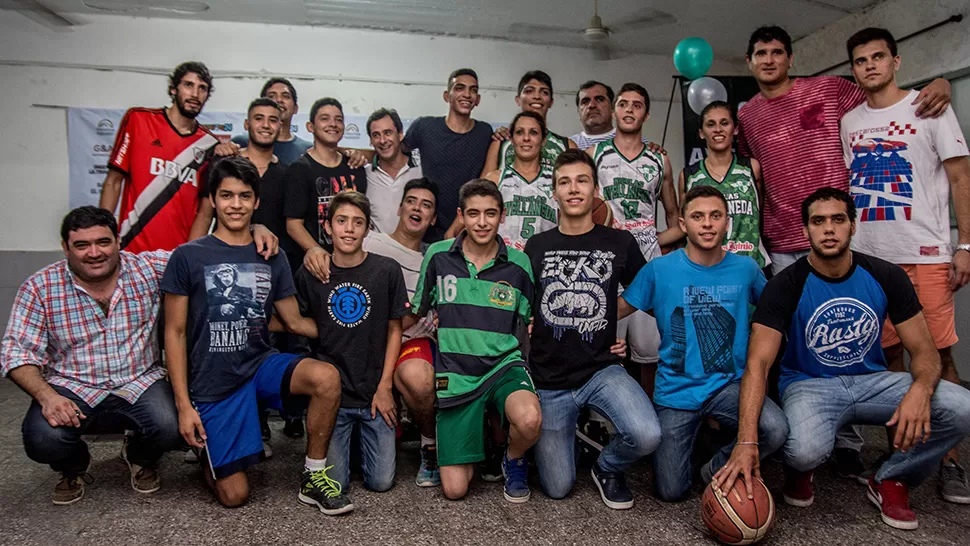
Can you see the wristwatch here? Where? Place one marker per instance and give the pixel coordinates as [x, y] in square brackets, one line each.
[965, 246]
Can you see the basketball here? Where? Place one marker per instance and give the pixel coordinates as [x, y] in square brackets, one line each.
[602, 213]
[733, 519]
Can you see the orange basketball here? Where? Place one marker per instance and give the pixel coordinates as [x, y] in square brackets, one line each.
[602, 213]
[733, 519]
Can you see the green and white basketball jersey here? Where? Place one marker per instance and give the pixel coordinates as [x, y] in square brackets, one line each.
[631, 188]
[551, 148]
[744, 211]
[529, 207]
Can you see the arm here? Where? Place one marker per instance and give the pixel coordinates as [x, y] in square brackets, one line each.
[177, 362]
[58, 410]
[934, 99]
[958, 172]
[357, 157]
[491, 160]
[288, 313]
[203, 220]
[316, 260]
[111, 190]
[912, 416]
[623, 308]
[762, 349]
[681, 187]
[668, 196]
[383, 402]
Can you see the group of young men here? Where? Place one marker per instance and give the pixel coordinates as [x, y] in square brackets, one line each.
[524, 327]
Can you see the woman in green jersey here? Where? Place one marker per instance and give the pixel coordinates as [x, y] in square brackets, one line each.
[737, 177]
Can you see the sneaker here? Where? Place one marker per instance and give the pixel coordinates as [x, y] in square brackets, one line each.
[267, 450]
[317, 489]
[871, 471]
[613, 489]
[428, 475]
[848, 464]
[516, 472]
[953, 483]
[144, 479]
[293, 428]
[491, 467]
[70, 488]
[892, 499]
[264, 425]
[799, 489]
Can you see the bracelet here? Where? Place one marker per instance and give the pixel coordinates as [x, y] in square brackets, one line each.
[747, 443]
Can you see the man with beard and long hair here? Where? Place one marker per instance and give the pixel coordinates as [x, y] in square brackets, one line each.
[831, 305]
[155, 164]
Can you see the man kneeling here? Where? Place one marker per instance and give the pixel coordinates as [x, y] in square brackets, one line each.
[219, 297]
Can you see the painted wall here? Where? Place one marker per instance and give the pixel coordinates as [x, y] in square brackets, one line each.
[120, 62]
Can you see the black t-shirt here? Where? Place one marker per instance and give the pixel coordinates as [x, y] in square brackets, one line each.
[352, 312]
[448, 158]
[270, 211]
[308, 188]
[574, 317]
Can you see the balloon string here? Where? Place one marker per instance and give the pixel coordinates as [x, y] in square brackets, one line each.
[670, 104]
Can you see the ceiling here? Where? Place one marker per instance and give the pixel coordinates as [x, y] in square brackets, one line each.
[726, 25]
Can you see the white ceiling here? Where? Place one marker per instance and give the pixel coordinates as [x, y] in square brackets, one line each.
[726, 24]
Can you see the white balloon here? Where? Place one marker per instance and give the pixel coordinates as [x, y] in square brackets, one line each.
[704, 91]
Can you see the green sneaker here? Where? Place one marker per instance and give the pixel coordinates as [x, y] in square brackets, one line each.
[317, 489]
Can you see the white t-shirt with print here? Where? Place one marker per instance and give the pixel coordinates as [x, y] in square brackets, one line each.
[898, 183]
[410, 262]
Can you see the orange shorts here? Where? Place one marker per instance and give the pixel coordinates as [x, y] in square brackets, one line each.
[420, 348]
[932, 284]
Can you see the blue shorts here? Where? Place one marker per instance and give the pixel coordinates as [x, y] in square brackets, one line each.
[234, 441]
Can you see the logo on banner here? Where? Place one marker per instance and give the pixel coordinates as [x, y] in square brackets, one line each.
[198, 154]
[105, 127]
[352, 131]
[218, 127]
[841, 332]
[102, 149]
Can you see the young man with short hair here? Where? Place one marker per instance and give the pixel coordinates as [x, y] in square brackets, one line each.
[702, 296]
[414, 369]
[580, 266]
[903, 169]
[633, 179]
[594, 102]
[390, 170]
[831, 306]
[219, 300]
[451, 150]
[358, 320]
[311, 181]
[534, 95]
[155, 164]
[482, 292]
[288, 146]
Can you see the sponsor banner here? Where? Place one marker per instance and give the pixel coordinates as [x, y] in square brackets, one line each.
[740, 89]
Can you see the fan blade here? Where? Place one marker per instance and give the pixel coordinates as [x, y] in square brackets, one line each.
[601, 51]
[40, 13]
[642, 19]
[544, 34]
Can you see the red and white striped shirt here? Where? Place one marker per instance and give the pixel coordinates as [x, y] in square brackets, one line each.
[58, 327]
[796, 139]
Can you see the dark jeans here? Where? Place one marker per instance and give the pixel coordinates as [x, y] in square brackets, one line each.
[153, 417]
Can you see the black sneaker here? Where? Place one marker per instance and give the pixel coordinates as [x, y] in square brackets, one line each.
[264, 425]
[613, 489]
[293, 428]
[491, 467]
[849, 465]
[317, 489]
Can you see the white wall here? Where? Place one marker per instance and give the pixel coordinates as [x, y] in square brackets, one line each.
[939, 52]
[117, 62]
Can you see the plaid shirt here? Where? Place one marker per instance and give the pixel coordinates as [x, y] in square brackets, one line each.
[58, 327]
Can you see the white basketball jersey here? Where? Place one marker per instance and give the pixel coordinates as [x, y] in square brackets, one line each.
[631, 188]
[529, 207]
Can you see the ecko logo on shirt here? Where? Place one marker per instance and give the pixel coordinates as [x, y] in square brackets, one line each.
[841, 332]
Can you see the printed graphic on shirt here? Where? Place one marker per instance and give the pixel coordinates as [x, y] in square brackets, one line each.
[236, 296]
[349, 304]
[678, 333]
[575, 284]
[326, 189]
[841, 332]
[631, 188]
[714, 326]
[881, 179]
[529, 207]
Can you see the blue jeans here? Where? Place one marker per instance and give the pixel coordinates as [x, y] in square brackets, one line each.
[817, 408]
[672, 460]
[153, 417]
[377, 446]
[616, 396]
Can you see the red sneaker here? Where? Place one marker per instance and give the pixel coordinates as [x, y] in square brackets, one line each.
[892, 498]
[798, 490]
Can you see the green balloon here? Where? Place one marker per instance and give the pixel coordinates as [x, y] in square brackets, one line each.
[693, 57]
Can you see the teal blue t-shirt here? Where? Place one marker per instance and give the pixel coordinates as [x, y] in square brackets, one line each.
[703, 314]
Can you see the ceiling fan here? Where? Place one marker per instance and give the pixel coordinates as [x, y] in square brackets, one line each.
[596, 36]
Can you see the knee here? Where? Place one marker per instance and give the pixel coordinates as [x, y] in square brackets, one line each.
[644, 438]
[805, 455]
[324, 380]
[416, 377]
[164, 430]
[672, 492]
[528, 420]
[380, 484]
[232, 496]
[453, 491]
[774, 432]
[955, 405]
[557, 488]
[44, 443]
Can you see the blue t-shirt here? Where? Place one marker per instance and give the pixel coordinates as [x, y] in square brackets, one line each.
[286, 152]
[703, 317]
[231, 291]
[834, 326]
